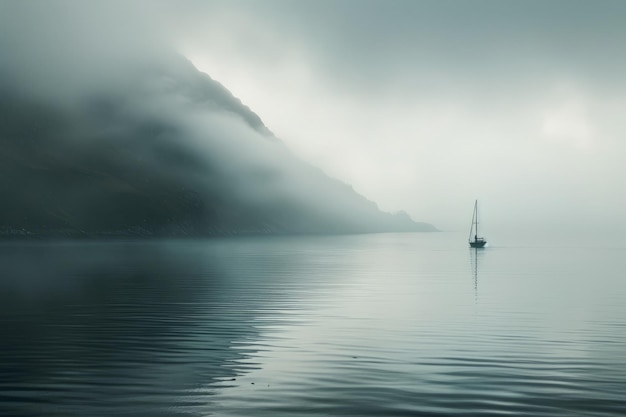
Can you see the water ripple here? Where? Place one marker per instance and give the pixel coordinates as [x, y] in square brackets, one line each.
[380, 325]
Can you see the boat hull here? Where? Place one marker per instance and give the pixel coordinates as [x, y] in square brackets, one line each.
[478, 244]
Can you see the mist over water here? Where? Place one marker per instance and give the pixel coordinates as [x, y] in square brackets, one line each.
[384, 324]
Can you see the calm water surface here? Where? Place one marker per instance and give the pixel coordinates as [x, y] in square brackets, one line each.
[380, 325]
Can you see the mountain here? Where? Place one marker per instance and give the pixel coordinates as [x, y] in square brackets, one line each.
[159, 149]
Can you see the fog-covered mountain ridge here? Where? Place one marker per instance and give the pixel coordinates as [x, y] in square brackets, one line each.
[158, 148]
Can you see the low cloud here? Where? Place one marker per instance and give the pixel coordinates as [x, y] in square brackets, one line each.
[403, 100]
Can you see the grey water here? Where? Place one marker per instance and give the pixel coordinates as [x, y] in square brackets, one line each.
[382, 325]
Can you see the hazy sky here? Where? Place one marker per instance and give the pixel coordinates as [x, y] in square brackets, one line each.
[422, 106]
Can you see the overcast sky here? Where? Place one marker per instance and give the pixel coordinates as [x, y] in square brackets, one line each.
[427, 105]
[423, 106]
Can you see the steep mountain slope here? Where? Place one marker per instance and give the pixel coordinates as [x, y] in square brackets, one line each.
[161, 149]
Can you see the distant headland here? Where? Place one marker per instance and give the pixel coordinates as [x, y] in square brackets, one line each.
[160, 149]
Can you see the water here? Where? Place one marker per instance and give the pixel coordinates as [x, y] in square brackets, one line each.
[380, 325]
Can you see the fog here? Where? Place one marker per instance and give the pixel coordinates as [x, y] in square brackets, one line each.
[107, 128]
[427, 105]
[422, 106]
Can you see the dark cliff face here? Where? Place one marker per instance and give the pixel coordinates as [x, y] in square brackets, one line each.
[164, 150]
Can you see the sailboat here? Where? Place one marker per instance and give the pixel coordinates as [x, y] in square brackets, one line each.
[478, 242]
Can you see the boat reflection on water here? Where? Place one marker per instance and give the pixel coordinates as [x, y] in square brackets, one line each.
[475, 257]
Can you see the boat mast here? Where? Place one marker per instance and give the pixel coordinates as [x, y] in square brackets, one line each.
[474, 221]
[476, 211]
